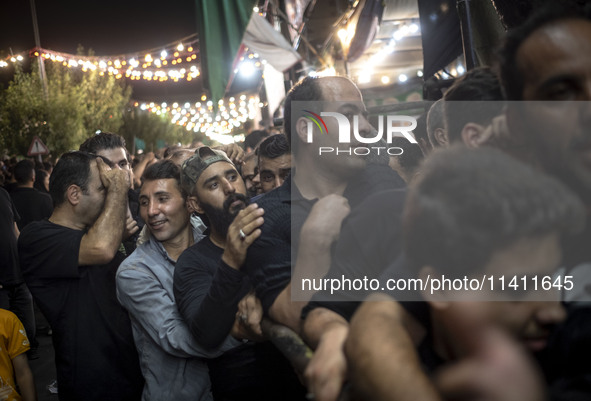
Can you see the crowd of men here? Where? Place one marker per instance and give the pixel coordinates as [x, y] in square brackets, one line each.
[182, 277]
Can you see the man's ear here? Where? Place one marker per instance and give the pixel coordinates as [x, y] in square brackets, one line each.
[441, 137]
[474, 135]
[73, 194]
[301, 127]
[436, 299]
[193, 204]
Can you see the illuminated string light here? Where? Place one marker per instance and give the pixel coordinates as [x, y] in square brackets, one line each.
[194, 117]
[177, 62]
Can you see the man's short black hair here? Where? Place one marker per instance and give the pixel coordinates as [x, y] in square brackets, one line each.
[162, 170]
[24, 171]
[467, 204]
[73, 168]
[103, 140]
[273, 147]
[512, 77]
[308, 89]
[480, 85]
[411, 157]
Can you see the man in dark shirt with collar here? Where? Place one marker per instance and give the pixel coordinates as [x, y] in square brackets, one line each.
[318, 187]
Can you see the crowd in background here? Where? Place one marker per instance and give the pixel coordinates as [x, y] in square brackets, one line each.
[177, 274]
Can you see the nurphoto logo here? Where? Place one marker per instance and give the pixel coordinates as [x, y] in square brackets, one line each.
[394, 126]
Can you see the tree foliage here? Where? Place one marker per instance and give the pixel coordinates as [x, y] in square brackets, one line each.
[77, 105]
[153, 129]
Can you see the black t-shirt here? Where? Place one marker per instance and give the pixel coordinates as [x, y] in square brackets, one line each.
[32, 205]
[209, 310]
[95, 354]
[269, 259]
[9, 269]
[370, 240]
[207, 292]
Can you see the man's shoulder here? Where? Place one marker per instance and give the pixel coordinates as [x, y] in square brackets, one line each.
[44, 236]
[45, 229]
[144, 259]
[4, 193]
[276, 205]
[196, 253]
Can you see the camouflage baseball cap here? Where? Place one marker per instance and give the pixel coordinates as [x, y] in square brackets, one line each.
[196, 164]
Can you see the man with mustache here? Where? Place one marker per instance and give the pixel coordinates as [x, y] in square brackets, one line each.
[172, 362]
[250, 371]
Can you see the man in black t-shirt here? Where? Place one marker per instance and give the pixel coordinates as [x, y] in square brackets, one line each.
[32, 205]
[209, 284]
[69, 264]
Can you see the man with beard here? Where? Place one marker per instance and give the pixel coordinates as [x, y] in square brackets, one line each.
[251, 371]
[172, 362]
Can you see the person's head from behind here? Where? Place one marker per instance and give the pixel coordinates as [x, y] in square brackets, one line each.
[248, 126]
[407, 163]
[24, 173]
[109, 146]
[42, 180]
[214, 187]
[76, 188]
[546, 62]
[436, 125]
[480, 213]
[470, 105]
[48, 166]
[249, 171]
[274, 162]
[162, 201]
[325, 94]
[180, 155]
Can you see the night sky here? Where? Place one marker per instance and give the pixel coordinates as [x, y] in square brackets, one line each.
[109, 27]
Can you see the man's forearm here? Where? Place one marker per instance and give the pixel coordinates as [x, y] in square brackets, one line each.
[285, 311]
[103, 239]
[382, 358]
[319, 322]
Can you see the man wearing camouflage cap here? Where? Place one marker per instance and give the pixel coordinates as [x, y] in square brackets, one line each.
[212, 293]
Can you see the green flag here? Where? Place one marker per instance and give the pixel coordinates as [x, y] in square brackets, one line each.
[221, 25]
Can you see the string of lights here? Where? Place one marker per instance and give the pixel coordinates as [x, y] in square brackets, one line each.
[178, 61]
[201, 116]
